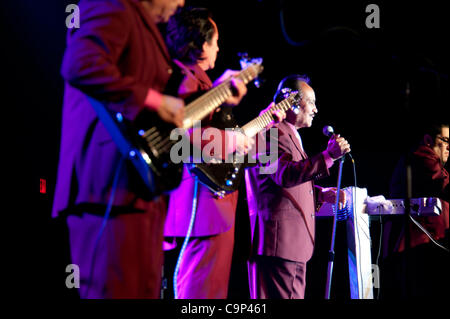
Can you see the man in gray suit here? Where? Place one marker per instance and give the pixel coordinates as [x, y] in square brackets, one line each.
[282, 203]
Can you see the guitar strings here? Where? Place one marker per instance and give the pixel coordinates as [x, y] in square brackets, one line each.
[224, 89]
[218, 96]
[263, 120]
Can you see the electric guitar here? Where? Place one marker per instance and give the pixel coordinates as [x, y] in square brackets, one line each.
[146, 141]
[222, 177]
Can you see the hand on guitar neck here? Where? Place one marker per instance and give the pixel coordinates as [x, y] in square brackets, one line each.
[169, 108]
[172, 110]
[238, 87]
[238, 142]
[278, 115]
[231, 141]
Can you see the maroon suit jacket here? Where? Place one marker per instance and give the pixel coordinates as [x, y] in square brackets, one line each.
[214, 216]
[282, 204]
[116, 56]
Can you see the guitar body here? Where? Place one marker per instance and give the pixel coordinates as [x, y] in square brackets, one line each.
[220, 177]
[155, 145]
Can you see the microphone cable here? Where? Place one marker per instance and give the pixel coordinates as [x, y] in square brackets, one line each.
[428, 234]
[354, 215]
[381, 225]
[186, 239]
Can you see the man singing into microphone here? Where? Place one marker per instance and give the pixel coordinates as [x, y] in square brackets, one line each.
[282, 204]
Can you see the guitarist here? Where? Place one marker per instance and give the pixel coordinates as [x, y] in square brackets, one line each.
[108, 59]
[204, 271]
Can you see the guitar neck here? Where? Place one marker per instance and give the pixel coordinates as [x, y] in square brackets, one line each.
[215, 97]
[261, 122]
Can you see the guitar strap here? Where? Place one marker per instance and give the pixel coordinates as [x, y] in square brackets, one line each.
[125, 147]
[185, 70]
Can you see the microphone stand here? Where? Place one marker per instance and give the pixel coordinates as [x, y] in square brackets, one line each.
[333, 236]
[406, 220]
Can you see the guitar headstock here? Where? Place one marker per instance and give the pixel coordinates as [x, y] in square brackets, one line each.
[253, 65]
[292, 98]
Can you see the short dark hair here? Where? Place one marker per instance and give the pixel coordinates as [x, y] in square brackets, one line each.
[434, 128]
[187, 31]
[292, 82]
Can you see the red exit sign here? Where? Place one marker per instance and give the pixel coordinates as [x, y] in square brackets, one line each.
[43, 186]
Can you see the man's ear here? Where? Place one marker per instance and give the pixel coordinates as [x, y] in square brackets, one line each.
[428, 140]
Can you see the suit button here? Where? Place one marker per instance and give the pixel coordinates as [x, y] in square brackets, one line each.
[311, 192]
[169, 70]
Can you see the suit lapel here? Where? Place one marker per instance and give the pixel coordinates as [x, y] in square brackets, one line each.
[295, 140]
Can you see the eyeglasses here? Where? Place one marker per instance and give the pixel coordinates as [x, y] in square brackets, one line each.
[443, 139]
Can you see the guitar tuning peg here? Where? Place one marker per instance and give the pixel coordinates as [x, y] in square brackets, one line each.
[285, 92]
[243, 55]
[244, 60]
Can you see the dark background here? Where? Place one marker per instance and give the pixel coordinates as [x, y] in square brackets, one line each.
[360, 77]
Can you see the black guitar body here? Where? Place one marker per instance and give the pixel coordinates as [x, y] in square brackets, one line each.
[221, 178]
[152, 136]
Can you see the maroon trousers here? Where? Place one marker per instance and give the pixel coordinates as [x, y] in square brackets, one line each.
[128, 260]
[205, 268]
[276, 278]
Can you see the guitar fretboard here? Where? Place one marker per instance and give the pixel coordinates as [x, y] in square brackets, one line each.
[209, 101]
[258, 124]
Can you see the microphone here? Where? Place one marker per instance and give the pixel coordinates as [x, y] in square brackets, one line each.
[328, 131]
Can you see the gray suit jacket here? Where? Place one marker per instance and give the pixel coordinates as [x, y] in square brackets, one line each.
[282, 204]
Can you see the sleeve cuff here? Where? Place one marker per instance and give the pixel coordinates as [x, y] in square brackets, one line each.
[153, 100]
[328, 160]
